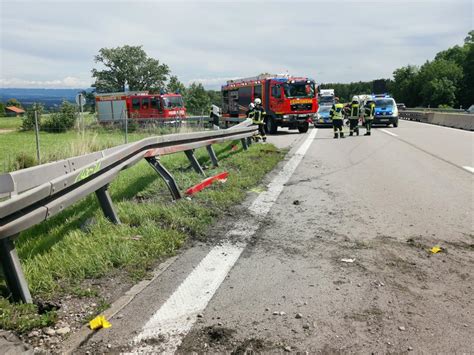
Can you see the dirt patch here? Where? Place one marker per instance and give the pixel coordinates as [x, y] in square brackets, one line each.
[219, 339]
[208, 337]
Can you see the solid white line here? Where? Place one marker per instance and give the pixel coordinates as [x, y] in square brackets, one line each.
[165, 330]
[469, 168]
[388, 132]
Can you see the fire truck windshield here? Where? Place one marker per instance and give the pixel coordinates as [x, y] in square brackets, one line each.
[299, 89]
[173, 101]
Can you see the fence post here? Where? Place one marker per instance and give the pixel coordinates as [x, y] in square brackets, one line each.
[38, 155]
[212, 155]
[244, 143]
[106, 204]
[195, 164]
[167, 177]
[13, 272]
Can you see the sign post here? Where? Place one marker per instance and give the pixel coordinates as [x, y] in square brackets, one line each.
[81, 101]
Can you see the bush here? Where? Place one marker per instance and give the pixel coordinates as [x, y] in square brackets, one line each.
[63, 120]
[23, 161]
[28, 121]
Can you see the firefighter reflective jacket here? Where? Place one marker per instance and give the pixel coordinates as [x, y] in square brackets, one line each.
[369, 111]
[354, 111]
[257, 115]
[336, 111]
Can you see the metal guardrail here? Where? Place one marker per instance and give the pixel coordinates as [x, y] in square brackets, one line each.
[418, 116]
[455, 120]
[32, 195]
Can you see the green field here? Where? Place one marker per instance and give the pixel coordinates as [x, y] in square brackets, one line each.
[60, 253]
[18, 148]
[10, 123]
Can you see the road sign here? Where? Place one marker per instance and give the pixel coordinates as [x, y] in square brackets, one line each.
[80, 100]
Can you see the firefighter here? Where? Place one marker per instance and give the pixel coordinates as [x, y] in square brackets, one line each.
[369, 112]
[250, 110]
[337, 118]
[258, 116]
[354, 118]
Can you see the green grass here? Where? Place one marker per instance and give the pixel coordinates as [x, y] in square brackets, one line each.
[23, 317]
[57, 254]
[18, 148]
[10, 123]
[55, 146]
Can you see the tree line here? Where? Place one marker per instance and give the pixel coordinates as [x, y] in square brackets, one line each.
[445, 81]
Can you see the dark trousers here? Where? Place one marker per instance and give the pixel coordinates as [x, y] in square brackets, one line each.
[353, 125]
[261, 130]
[368, 124]
[337, 126]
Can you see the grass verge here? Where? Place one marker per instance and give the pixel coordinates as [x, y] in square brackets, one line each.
[80, 244]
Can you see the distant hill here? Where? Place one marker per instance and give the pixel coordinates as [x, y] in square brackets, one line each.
[48, 97]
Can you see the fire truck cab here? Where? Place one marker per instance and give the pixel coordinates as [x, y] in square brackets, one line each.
[288, 101]
[140, 106]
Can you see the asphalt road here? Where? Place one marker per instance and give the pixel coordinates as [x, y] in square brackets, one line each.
[380, 203]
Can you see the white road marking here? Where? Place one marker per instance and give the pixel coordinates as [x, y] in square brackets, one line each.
[388, 132]
[165, 330]
[469, 168]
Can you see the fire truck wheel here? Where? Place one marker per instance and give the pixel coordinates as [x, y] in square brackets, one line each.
[271, 125]
[303, 128]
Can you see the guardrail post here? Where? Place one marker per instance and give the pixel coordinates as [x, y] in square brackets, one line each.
[212, 155]
[106, 204]
[244, 143]
[192, 159]
[13, 272]
[249, 141]
[167, 177]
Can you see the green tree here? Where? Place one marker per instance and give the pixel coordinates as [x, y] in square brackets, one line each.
[28, 121]
[128, 65]
[432, 75]
[63, 120]
[469, 38]
[13, 102]
[175, 86]
[2, 109]
[404, 85]
[466, 96]
[215, 97]
[197, 100]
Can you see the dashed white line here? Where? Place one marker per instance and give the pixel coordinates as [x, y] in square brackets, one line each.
[177, 315]
[469, 168]
[388, 132]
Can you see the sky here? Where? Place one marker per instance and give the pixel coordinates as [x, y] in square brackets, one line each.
[52, 44]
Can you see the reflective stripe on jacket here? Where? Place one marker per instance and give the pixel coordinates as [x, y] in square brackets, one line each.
[336, 111]
[354, 111]
[369, 111]
[257, 116]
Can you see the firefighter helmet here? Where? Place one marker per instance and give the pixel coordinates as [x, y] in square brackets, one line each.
[257, 101]
[251, 105]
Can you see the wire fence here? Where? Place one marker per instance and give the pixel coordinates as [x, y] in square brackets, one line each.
[50, 140]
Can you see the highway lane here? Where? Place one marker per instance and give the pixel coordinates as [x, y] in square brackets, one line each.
[381, 201]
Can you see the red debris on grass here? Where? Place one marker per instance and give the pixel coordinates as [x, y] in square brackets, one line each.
[207, 182]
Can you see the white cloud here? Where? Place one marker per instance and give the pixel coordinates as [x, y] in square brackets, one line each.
[68, 82]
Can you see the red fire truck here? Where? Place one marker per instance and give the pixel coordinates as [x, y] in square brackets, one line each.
[140, 106]
[288, 101]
